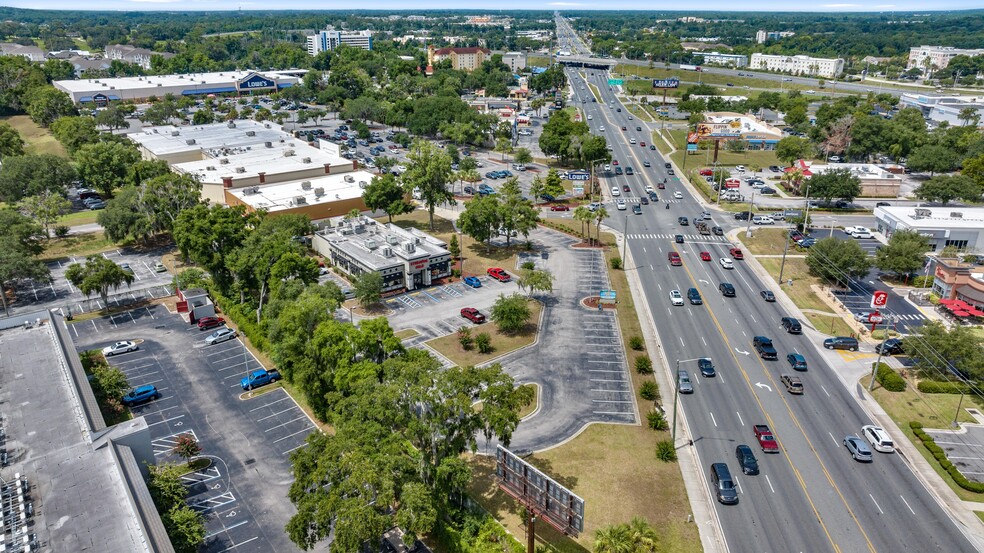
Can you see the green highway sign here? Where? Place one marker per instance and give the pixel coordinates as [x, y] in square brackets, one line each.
[614, 82]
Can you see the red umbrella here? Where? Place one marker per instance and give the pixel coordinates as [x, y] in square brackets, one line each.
[976, 312]
[961, 314]
[946, 302]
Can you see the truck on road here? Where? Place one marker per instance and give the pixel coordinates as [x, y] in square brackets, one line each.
[702, 227]
[765, 438]
[689, 67]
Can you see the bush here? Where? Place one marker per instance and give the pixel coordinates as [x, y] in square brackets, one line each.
[616, 263]
[637, 343]
[665, 451]
[456, 273]
[61, 231]
[657, 420]
[889, 379]
[528, 266]
[243, 316]
[922, 281]
[936, 387]
[644, 365]
[465, 338]
[484, 343]
[649, 390]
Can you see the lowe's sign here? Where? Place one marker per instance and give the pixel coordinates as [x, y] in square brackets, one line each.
[666, 83]
[578, 176]
[256, 81]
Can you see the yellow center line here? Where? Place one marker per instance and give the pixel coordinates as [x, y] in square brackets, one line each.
[796, 472]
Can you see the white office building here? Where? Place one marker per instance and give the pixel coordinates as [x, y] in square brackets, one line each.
[762, 36]
[799, 65]
[960, 227]
[732, 60]
[940, 107]
[515, 60]
[939, 56]
[329, 39]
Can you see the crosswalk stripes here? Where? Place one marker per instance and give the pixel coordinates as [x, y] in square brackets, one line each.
[635, 200]
[690, 237]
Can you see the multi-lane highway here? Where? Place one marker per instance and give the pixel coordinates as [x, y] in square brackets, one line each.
[812, 496]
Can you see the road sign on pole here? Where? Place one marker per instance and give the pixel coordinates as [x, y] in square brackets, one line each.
[879, 299]
[615, 82]
[875, 318]
[578, 176]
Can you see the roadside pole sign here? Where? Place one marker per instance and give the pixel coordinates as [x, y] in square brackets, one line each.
[607, 295]
[879, 299]
[577, 190]
[666, 83]
[875, 318]
[615, 82]
[578, 175]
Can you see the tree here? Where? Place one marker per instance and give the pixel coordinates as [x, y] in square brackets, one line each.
[105, 165]
[933, 158]
[163, 198]
[944, 188]
[838, 183]
[99, 274]
[383, 192]
[904, 254]
[534, 280]
[584, 215]
[11, 143]
[537, 104]
[123, 217]
[186, 529]
[429, 172]
[791, 148]
[523, 156]
[186, 446]
[614, 539]
[203, 117]
[481, 219]
[33, 175]
[75, 132]
[554, 185]
[969, 115]
[210, 235]
[600, 215]
[973, 167]
[736, 146]
[45, 208]
[503, 146]
[511, 313]
[47, 103]
[537, 188]
[18, 263]
[113, 117]
[838, 261]
[939, 351]
[368, 288]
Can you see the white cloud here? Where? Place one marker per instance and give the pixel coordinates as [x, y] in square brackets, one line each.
[841, 5]
[884, 6]
[155, 1]
[564, 4]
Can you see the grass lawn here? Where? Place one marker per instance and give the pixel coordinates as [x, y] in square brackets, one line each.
[406, 333]
[979, 514]
[934, 411]
[639, 112]
[832, 325]
[594, 91]
[502, 343]
[79, 245]
[78, 218]
[37, 139]
[768, 241]
[614, 468]
[800, 291]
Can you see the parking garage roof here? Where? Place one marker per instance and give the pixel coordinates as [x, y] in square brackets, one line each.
[81, 502]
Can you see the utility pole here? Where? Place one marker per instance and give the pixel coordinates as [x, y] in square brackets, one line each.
[751, 206]
[625, 239]
[881, 351]
[782, 266]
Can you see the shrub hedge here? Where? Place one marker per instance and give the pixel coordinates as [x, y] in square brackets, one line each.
[889, 379]
[244, 318]
[940, 455]
[936, 387]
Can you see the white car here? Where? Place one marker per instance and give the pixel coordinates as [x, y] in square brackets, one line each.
[589, 117]
[632, 141]
[601, 128]
[608, 167]
[811, 92]
[676, 298]
[125, 346]
[649, 188]
[726, 263]
[620, 204]
[835, 159]
[616, 191]
[678, 195]
[763, 220]
[879, 439]
[220, 335]
[853, 230]
[862, 234]
[740, 168]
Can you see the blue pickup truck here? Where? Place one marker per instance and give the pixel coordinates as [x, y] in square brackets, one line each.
[258, 378]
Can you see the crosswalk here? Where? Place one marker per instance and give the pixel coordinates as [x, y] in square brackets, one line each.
[662, 199]
[688, 237]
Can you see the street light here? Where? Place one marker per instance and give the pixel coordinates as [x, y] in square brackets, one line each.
[676, 391]
[881, 350]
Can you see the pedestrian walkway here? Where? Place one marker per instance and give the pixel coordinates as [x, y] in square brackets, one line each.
[709, 238]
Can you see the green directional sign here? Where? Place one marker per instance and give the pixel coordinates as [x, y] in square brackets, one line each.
[615, 82]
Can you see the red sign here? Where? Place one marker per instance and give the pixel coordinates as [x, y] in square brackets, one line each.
[732, 183]
[875, 318]
[420, 264]
[879, 299]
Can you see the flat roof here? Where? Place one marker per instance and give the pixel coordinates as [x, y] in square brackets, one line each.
[366, 240]
[934, 217]
[281, 196]
[860, 170]
[189, 80]
[81, 501]
[248, 161]
[170, 139]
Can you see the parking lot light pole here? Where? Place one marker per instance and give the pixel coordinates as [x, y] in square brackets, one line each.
[676, 392]
[881, 351]
[782, 265]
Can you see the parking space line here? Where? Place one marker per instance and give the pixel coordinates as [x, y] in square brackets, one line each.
[264, 406]
[308, 429]
[610, 401]
[238, 544]
[166, 420]
[219, 501]
[612, 391]
[292, 449]
[226, 529]
[610, 413]
[286, 423]
[274, 414]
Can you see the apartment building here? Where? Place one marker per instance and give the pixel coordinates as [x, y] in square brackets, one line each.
[330, 39]
[798, 65]
[938, 56]
[462, 59]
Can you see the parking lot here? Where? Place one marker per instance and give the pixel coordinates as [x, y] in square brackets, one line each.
[964, 448]
[248, 437]
[60, 293]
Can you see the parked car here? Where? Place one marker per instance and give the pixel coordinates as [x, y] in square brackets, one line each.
[220, 335]
[125, 346]
[140, 394]
[560, 207]
[499, 274]
[472, 281]
[472, 315]
[763, 220]
[841, 342]
[892, 346]
[259, 377]
[159, 267]
[206, 323]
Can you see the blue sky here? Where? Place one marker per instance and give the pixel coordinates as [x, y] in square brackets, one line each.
[693, 5]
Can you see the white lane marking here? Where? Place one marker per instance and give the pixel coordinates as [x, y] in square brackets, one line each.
[876, 504]
[824, 390]
[836, 443]
[770, 483]
[740, 419]
[712, 419]
[907, 504]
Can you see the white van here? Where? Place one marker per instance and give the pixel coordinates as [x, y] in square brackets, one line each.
[878, 438]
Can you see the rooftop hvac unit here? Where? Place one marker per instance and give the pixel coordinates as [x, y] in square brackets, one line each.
[347, 231]
[159, 84]
[268, 144]
[231, 125]
[240, 169]
[251, 190]
[306, 185]
[112, 88]
[175, 133]
[337, 196]
[922, 214]
[288, 153]
[210, 168]
[409, 247]
[305, 160]
[181, 76]
[224, 161]
[300, 200]
[319, 192]
[370, 243]
[266, 125]
[250, 133]
[362, 184]
[104, 85]
[956, 214]
[190, 141]
[349, 178]
[387, 252]
[393, 240]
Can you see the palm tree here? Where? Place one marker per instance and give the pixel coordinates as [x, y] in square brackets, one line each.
[600, 215]
[614, 539]
[583, 215]
[644, 537]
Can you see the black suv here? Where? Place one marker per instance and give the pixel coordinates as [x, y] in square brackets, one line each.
[706, 367]
[841, 342]
[765, 348]
[746, 459]
[741, 216]
[694, 296]
[683, 221]
[893, 346]
[791, 325]
[727, 289]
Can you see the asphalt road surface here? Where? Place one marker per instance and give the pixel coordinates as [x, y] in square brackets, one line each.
[812, 496]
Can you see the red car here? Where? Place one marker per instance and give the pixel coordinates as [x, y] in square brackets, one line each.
[704, 256]
[206, 323]
[498, 274]
[706, 173]
[560, 207]
[643, 144]
[661, 186]
[614, 162]
[625, 188]
[675, 259]
[472, 315]
[623, 127]
[736, 253]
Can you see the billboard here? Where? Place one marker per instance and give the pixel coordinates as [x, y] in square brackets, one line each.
[731, 129]
[541, 494]
[666, 83]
